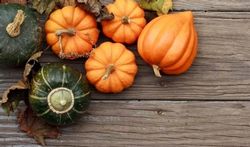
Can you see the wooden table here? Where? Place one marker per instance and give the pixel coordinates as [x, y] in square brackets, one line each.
[207, 106]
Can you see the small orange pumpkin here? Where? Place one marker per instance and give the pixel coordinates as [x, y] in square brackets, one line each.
[71, 32]
[169, 43]
[111, 67]
[128, 21]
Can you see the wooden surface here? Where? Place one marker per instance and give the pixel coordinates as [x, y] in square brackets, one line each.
[207, 106]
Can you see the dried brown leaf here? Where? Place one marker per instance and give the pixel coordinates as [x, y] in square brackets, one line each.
[14, 1]
[36, 127]
[13, 95]
[96, 8]
[31, 67]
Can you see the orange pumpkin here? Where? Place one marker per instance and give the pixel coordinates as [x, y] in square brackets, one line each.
[169, 43]
[111, 67]
[71, 32]
[128, 21]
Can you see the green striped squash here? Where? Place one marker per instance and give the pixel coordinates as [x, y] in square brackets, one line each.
[59, 94]
[20, 34]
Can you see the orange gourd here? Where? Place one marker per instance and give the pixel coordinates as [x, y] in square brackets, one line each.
[111, 67]
[169, 43]
[71, 32]
[128, 21]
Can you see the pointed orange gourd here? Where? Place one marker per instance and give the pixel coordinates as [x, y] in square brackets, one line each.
[169, 43]
[111, 67]
[71, 32]
[128, 21]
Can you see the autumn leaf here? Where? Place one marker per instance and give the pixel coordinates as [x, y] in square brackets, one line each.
[96, 8]
[47, 6]
[14, 1]
[32, 66]
[13, 95]
[160, 6]
[36, 127]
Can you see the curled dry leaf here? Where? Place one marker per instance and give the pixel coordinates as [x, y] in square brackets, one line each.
[46, 6]
[97, 8]
[35, 126]
[13, 95]
[160, 6]
[31, 67]
[14, 1]
[19, 91]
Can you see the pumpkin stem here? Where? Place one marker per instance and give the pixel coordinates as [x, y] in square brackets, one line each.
[108, 71]
[13, 28]
[59, 33]
[125, 20]
[156, 70]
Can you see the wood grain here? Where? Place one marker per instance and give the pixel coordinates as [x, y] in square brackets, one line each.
[148, 123]
[208, 5]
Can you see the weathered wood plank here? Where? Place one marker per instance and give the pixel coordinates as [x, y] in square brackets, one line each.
[221, 70]
[148, 123]
[208, 5]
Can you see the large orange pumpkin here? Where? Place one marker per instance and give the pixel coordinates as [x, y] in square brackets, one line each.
[71, 32]
[128, 21]
[111, 67]
[169, 43]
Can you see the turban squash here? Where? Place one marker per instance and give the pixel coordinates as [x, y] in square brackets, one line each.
[169, 43]
[128, 21]
[20, 34]
[111, 68]
[59, 94]
[71, 32]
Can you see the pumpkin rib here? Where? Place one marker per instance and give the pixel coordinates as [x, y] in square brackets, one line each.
[185, 66]
[134, 14]
[75, 25]
[110, 7]
[76, 17]
[83, 39]
[132, 9]
[57, 24]
[127, 84]
[127, 72]
[52, 29]
[121, 53]
[137, 23]
[53, 39]
[68, 14]
[117, 31]
[80, 46]
[155, 49]
[87, 22]
[95, 71]
[56, 18]
[186, 55]
[121, 8]
[119, 78]
[142, 37]
[111, 33]
[179, 53]
[115, 84]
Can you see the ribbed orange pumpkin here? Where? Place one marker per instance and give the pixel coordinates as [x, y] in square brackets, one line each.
[111, 67]
[169, 43]
[71, 32]
[128, 21]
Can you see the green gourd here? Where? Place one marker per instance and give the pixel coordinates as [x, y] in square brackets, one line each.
[20, 34]
[59, 94]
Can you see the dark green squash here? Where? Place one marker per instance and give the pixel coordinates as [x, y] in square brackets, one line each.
[16, 49]
[59, 94]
